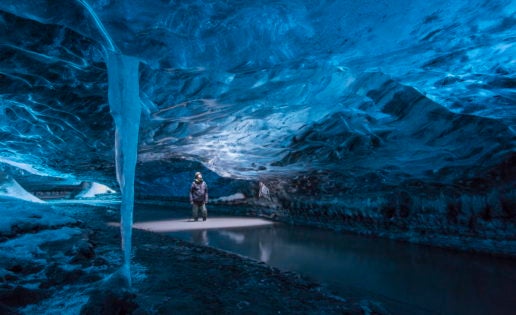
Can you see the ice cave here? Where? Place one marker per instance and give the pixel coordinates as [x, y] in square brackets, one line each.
[360, 157]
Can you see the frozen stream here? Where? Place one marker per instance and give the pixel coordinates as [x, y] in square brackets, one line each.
[408, 279]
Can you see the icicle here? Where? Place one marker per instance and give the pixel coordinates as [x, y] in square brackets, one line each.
[124, 102]
[99, 25]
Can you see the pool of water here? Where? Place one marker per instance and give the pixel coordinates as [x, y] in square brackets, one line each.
[405, 278]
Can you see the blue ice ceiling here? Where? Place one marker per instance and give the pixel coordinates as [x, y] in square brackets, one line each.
[353, 94]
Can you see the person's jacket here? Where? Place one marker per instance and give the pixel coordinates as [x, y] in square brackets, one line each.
[199, 192]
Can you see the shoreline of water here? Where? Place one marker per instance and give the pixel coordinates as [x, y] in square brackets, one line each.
[408, 278]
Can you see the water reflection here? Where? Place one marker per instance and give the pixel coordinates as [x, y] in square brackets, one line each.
[409, 279]
[200, 237]
[265, 252]
[264, 248]
[238, 238]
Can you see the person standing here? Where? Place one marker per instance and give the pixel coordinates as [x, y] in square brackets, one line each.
[199, 197]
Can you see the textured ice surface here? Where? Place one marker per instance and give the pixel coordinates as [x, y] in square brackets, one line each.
[27, 246]
[234, 85]
[346, 110]
[23, 215]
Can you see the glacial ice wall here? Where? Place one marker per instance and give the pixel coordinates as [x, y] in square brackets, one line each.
[345, 109]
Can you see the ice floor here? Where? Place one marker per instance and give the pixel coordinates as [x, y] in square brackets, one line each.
[190, 224]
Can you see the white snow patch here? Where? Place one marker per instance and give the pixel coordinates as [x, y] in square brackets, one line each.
[95, 189]
[11, 189]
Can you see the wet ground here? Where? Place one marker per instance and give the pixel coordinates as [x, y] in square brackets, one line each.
[405, 278]
[174, 276]
[77, 271]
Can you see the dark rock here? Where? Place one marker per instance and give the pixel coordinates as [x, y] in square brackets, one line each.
[107, 302]
[20, 296]
[372, 308]
[9, 278]
[24, 267]
[90, 278]
[6, 310]
[140, 311]
[83, 252]
[57, 275]
[99, 261]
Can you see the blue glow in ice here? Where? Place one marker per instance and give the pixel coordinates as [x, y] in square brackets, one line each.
[400, 113]
[124, 102]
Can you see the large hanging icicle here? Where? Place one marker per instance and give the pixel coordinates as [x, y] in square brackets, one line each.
[124, 101]
[125, 106]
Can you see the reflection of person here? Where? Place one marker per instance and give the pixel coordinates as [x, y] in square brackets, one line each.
[200, 237]
[199, 197]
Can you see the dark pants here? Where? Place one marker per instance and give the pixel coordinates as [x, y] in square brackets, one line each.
[195, 210]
